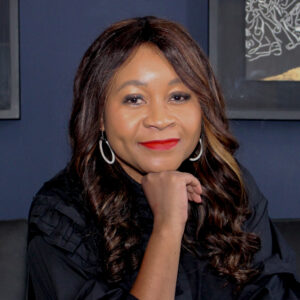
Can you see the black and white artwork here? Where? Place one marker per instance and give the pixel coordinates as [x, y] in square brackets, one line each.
[9, 60]
[254, 48]
[272, 40]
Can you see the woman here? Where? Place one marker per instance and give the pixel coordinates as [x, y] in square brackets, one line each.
[153, 204]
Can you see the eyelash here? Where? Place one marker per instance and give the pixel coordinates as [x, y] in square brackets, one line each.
[129, 99]
[182, 98]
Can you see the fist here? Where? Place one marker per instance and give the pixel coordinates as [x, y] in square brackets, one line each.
[168, 194]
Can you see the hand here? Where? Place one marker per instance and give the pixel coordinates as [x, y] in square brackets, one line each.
[168, 194]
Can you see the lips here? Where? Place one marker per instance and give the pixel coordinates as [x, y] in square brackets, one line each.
[160, 144]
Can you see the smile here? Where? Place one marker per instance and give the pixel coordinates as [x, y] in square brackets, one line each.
[161, 144]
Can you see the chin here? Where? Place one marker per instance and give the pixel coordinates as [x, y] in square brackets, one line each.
[161, 167]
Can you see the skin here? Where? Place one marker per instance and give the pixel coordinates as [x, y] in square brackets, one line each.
[147, 101]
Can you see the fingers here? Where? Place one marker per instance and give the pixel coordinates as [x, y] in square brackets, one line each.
[194, 197]
[193, 187]
[186, 180]
[193, 182]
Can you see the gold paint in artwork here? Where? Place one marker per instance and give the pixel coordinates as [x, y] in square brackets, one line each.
[290, 75]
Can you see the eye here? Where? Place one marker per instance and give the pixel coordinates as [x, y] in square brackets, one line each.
[133, 99]
[180, 97]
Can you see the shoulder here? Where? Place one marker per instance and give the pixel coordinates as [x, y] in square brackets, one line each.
[62, 194]
[66, 184]
[258, 220]
[60, 215]
[255, 196]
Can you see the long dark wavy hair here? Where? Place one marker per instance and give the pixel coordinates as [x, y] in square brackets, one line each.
[217, 224]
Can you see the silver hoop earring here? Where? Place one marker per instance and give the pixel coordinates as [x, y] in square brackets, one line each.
[113, 158]
[200, 152]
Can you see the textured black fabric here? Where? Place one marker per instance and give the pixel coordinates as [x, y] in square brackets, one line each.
[64, 262]
[290, 229]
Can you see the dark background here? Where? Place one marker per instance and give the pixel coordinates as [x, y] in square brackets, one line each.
[53, 37]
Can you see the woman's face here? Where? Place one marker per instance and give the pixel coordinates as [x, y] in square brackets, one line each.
[151, 119]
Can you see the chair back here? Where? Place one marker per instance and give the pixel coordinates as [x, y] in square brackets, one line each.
[13, 274]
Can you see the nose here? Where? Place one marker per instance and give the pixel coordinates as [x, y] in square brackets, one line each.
[158, 116]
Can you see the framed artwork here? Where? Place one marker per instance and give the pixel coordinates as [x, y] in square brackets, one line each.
[9, 60]
[254, 48]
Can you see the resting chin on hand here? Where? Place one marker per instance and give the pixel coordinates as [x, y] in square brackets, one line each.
[168, 194]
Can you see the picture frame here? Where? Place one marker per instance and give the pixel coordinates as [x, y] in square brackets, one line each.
[9, 60]
[246, 97]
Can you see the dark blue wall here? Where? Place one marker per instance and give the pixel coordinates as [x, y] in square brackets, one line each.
[53, 37]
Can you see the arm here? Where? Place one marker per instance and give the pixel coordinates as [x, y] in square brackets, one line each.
[278, 279]
[56, 274]
[62, 264]
[168, 194]
[158, 273]
[56, 253]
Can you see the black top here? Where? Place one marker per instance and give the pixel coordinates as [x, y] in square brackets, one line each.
[64, 262]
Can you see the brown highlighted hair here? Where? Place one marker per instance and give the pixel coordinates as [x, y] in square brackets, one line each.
[216, 225]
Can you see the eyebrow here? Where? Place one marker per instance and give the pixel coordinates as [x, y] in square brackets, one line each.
[131, 82]
[175, 81]
[141, 83]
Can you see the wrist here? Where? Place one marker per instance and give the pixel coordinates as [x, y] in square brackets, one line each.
[168, 231]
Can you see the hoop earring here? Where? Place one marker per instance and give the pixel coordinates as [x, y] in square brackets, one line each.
[200, 153]
[113, 158]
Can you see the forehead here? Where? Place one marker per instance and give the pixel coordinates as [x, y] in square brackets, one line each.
[145, 50]
[146, 58]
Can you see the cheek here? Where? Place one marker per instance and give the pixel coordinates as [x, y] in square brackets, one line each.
[192, 122]
[120, 126]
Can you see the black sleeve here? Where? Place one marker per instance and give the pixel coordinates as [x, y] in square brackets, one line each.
[54, 275]
[63, 263]
[278, 279]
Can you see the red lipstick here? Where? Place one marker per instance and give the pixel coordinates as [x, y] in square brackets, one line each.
[161, 144]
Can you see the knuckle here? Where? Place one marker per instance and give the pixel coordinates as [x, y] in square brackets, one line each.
[174, 178]
[163, 175]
